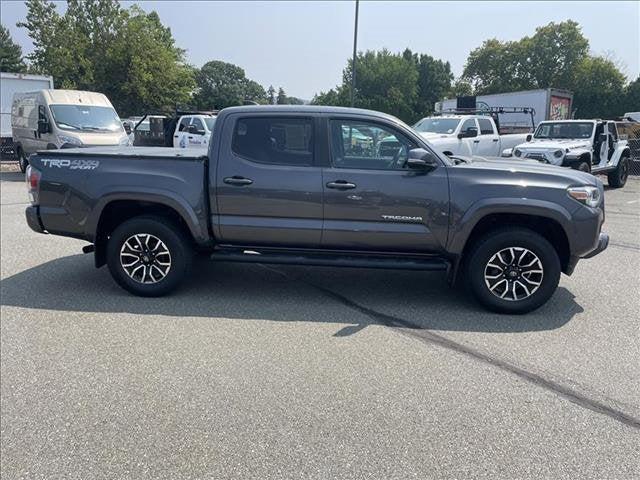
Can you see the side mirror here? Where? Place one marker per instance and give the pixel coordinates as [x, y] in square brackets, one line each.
[507, 152]
[127, 128]
[421, 159]
[43, 126]
[602, 137]
[529, 137]
[469, 133]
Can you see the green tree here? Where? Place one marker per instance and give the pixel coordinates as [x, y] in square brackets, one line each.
[281, 99]
[221, 84]
[10, 53]
[97, 45]
[547, 59]
[385, 81]
[598, 89]
[632, 97]
[460, 88]
[271, 95]
[434, 81]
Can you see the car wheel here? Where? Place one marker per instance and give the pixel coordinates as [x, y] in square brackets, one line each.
[618, 177]
[584, 167]
[148, 256]
[23, 162]
[513, 270]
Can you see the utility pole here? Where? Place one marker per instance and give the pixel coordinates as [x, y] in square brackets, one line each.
[353, 63]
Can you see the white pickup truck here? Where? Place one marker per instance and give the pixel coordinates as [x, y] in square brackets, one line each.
[466, 135]
[193, 131]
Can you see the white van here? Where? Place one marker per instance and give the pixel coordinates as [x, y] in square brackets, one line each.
[51, 119]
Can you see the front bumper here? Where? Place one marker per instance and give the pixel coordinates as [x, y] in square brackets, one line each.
[33, 219]
[603, 243]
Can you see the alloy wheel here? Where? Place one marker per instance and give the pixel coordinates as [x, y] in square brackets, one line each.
[513, 273]
[145, 258]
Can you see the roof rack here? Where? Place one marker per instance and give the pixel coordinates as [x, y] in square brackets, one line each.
[493, 112]
[488, 110]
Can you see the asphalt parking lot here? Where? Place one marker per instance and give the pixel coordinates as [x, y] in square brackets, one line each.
[291, 372]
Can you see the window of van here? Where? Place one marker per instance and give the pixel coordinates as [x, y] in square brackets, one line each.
[86, 117]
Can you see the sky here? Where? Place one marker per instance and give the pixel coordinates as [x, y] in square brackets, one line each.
[303, 46]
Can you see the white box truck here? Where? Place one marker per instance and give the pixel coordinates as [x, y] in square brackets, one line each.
[548, 103]
[11, 83]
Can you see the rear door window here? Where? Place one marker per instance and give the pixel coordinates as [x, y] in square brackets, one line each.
[486, 127]
[274, 140]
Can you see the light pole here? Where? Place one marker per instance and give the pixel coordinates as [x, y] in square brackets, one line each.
[353, 63]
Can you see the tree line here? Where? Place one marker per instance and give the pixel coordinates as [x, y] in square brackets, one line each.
[130, 56]
[556, 56]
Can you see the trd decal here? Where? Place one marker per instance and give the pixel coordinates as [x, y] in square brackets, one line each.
[79, 164]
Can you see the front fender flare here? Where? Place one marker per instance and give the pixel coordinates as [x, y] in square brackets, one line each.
[461, 230]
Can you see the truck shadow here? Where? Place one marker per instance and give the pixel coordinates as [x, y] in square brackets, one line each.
[256, 292]
[11, 177]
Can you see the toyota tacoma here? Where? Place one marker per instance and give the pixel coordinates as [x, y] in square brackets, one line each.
[311, 186]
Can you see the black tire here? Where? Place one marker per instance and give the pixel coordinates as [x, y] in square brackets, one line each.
[583, 167]
[618, 177]
[173, 240]
[513, 240]
[23, 161]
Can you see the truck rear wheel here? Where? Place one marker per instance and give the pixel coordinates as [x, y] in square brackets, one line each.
[618, 177]
[148, 256]
[513, 270]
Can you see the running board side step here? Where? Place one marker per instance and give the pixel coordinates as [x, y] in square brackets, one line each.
[353, 261]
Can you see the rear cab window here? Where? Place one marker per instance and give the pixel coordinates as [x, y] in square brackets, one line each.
[277, 140]
[486, 127]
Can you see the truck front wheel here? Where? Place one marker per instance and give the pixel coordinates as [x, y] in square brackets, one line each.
[513, 270]
[148, 256]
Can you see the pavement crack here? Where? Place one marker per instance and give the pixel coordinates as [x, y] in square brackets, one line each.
[416, 331]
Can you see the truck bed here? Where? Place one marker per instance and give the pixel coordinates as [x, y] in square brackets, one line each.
[133, 152]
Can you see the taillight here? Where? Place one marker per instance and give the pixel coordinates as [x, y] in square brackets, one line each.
[33, 182]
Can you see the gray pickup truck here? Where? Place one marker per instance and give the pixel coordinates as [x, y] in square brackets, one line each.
[321, 186]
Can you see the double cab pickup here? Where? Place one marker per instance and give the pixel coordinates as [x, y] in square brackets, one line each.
[329, 186]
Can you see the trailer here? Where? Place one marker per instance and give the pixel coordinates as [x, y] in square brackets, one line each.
[15, 83]
[548, 104]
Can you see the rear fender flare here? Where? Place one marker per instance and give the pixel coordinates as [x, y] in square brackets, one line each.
[160, 197]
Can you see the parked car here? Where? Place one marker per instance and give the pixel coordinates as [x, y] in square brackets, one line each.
[588, 145]
[286, 185]
[55, 119]
[13, 83]
[466, 135]
[193, 131]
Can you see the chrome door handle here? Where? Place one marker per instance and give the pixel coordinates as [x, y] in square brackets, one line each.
[235, 180]
[341, 185]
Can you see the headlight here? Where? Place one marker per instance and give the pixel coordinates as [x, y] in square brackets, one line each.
[125, 142]
[517, 152]
[586, 195]
[558, 153]
[62, 139]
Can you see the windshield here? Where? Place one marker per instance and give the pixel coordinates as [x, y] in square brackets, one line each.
[86, 117]
[437, 125]
[564, 130]
[210, 121]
